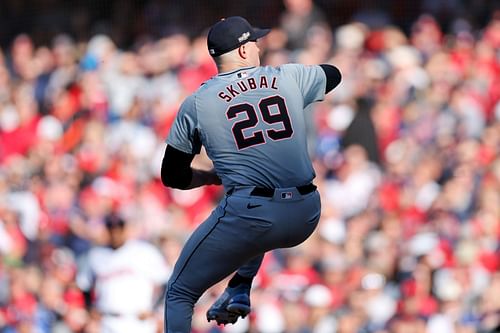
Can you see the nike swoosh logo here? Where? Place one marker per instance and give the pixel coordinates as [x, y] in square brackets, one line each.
[250, 206]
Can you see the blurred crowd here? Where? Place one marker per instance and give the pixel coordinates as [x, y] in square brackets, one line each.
[406, 151]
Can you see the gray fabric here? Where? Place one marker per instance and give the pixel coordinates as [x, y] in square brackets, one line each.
[276, 163]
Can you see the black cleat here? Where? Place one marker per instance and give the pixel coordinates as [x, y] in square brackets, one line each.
[232, 304]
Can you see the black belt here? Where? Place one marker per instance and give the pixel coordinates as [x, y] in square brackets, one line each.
[269, 192]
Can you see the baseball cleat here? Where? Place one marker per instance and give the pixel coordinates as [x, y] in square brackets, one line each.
[232, 304]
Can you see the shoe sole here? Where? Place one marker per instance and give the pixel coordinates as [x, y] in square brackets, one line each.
[241, 309]
[230, 315]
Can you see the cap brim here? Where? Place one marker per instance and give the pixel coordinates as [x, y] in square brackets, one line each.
[259, 33]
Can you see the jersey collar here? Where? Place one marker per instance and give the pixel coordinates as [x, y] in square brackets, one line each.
[235, 71]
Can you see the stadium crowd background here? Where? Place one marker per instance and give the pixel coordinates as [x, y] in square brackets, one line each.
[406, 150]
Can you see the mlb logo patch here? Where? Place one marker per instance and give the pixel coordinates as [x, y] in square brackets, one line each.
[286, 195]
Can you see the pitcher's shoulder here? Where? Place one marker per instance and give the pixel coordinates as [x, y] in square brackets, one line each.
[284, 69]
[269, 69]
[210, 84]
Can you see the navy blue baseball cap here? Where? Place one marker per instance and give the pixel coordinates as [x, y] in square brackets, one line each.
[230, 33]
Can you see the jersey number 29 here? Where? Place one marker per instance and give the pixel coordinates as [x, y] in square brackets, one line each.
[257, 137]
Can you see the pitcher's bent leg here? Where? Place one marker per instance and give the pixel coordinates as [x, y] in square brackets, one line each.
[251, 267]
[180, 300]
[217, 248]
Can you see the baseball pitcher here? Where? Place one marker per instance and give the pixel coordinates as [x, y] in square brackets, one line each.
[250, 119]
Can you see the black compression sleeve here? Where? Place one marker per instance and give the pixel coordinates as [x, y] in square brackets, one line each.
[176, 168]
[333, 76]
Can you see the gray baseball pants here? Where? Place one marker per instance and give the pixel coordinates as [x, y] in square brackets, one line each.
[234, 238]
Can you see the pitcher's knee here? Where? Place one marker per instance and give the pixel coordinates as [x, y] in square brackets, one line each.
[176, 293]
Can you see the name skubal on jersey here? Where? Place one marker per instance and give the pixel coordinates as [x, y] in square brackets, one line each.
[233, 90]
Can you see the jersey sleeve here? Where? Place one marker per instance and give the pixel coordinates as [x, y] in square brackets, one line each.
[184, 132]
[311, 81]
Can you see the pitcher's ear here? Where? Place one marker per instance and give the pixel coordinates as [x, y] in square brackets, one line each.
[242, 51]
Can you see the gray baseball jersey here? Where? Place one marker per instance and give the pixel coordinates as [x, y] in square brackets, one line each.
[251, 123]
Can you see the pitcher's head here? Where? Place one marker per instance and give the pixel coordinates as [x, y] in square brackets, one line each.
[233, 38]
